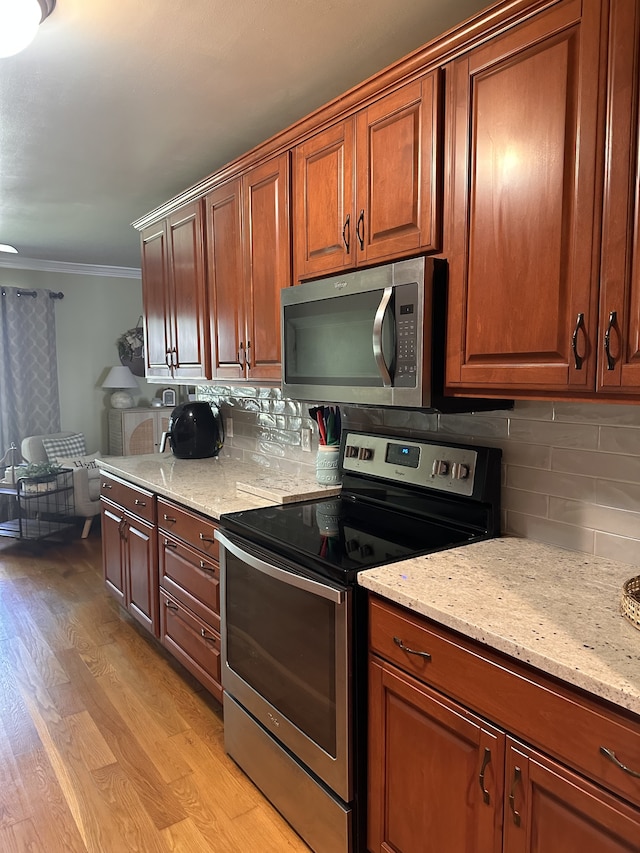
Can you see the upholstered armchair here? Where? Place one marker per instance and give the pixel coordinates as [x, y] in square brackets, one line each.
[69, 450]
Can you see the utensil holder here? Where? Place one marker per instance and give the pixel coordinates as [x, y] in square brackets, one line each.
[327, 472]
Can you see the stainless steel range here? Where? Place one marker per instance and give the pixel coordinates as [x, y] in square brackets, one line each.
[294, 634]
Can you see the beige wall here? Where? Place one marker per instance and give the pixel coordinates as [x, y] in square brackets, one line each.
[95, 311]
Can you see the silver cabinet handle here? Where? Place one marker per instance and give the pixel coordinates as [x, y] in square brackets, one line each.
[517, 777]
[485, 762]
[204, 538]
[170, 518]
[138, 502]
[409, 651]
[610, 754]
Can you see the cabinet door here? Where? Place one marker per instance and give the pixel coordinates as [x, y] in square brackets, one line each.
[397, 166]
[549, 809]
[523, 123]
[140, 548]
[189, 316]
[324, 226]
[226, 283]
[112, 552]
[435, 771]
[137, 432]
[156, 300]
[267, 263]
[619, 351]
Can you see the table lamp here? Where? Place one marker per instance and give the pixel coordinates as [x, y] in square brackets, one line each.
[120, 378]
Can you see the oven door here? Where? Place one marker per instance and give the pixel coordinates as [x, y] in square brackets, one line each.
[286, 651]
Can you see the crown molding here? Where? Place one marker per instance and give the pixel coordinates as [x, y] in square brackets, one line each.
[18, 263]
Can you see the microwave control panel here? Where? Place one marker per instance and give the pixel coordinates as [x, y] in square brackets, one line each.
[441, 467]
[407, 318]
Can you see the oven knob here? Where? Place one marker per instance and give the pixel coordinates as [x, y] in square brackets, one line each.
[439, 468]
[366, 453]
[459, 471]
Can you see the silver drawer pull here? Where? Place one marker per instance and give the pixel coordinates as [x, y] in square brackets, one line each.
[168, 544]
[409, 651]
[170, 518]
[107, 486]
[206, 636]
[206, 567]
[610, 754]
[170, 605]
[138, 502]
[204, 538]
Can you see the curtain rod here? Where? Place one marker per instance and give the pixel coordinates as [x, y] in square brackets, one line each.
[52, 294]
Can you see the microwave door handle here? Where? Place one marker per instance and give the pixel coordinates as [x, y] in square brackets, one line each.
[305, 584]
[378, 354]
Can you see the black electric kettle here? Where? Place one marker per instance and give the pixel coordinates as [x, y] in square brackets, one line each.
[195, 431]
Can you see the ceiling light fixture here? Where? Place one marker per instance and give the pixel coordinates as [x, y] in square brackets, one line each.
[5, 247]
[19, 22]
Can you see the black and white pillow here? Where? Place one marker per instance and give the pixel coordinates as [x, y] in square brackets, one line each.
[70, 446]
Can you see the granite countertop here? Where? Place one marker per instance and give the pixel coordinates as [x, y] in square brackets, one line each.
[215, 485]
[554, 609]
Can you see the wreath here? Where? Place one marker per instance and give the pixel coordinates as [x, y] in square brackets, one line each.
[131, 349]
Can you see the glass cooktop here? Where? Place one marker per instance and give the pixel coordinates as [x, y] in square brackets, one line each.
[339, 536]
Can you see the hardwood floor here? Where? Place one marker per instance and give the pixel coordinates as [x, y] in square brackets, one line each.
[106, 744]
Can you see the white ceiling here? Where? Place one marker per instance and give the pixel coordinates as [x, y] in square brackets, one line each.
[118, 106]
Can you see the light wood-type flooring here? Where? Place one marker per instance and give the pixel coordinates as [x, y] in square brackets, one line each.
[106, 744]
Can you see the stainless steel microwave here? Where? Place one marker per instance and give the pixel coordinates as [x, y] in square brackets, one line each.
[371, 337]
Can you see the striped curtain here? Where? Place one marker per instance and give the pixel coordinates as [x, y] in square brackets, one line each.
[29, 402]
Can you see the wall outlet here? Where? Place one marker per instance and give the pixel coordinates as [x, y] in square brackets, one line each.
[305, 439]
[228, 427]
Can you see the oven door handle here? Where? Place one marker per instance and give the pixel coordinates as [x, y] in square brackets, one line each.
[306, 584]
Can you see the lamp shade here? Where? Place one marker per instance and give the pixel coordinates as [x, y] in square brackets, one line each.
[19, 21]
[120, 378]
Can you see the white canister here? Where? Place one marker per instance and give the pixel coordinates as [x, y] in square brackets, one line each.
[327, 472]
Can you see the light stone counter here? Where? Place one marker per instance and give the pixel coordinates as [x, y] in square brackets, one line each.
[554, 609]
[216, 485]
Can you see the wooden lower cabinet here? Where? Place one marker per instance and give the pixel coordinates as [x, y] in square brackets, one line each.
[129, 550]
[190, 592]
[548, 808]
[469, 753]
[435, 771]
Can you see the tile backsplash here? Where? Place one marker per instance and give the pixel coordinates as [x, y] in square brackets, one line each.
[571, 471]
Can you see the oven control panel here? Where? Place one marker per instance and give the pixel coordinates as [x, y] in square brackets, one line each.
[441, 467]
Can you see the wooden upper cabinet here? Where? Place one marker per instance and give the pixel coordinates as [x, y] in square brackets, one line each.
[323, 207]
[157, 303]
[267, 263]
[368, 188]
[619, 334]
[522, 119]
[174, 294]
[249, 258]
[223, 212]
[189, 321]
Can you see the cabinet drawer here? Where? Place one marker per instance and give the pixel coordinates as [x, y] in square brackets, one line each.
[559, 720]
[192, 528]
[192, 642]
[191, 578]
[136, 500]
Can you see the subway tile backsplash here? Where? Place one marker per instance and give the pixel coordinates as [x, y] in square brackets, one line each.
[571, 472]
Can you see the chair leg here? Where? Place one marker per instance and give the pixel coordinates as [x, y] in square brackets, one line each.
[87, 527]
